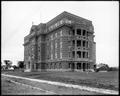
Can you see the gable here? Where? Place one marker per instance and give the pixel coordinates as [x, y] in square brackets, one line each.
[68, 16]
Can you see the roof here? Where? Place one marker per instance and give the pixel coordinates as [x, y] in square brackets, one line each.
[40, 28]
[67, 14]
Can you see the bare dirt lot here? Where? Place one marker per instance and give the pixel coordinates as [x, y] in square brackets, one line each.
[107, 80]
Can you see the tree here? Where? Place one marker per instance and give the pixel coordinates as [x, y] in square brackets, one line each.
[15, 67]
[8, 63]
[114, 69]
[102, 67]
[3, 67]
[21, 64]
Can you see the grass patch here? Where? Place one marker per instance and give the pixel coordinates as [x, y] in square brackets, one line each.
[107, 80]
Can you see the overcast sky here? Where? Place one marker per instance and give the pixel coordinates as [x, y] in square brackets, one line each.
[17, 17]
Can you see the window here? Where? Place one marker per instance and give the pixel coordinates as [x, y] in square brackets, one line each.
[51, 50]
[55, 66]
[83, 54]
[79, 31]
[60, 65]
[87, 33]
[55, 45]
[56, 54]
[69, 65]
[87, 44]
[69, 32]
[87, 54]
[39, 49]
[61, 21]
[51, 46]
[29, 65]
[78, 43]
[56, 35]
[78, 54]
[67, 21]
[60, 42]
[51, 37]
[60, 55]
[61, 33]
[51, 56]
[83, 43]
[39, 56]
[51, 66]
[84, 31]
[69, 54]
[73, 32]
[56, 25]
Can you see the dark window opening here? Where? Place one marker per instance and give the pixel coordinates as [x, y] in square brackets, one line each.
[87, 44]
[83, 54]
[73, 54]
[69, 65]
[28, 64]
[78, 43]
[36, 65]
[78, 54]
[78, 65]
[69, 54]
[73, 32]
[87, 33]
[73, 42]
[60, 66]
[69, 32]
[78, 31]
[84, 31]
[55, 66]
[83, 43]
[84, 66]
[51, 66]
[87, 54]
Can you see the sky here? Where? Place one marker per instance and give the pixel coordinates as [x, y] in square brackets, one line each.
[17, 18]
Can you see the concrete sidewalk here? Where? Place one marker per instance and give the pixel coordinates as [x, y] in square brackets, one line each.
[98, 90]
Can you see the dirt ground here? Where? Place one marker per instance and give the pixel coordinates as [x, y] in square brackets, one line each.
[11, 88]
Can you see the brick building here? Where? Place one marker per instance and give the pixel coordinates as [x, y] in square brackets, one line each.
[64, 43]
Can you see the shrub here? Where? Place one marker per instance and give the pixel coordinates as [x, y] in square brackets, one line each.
[113, 69]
